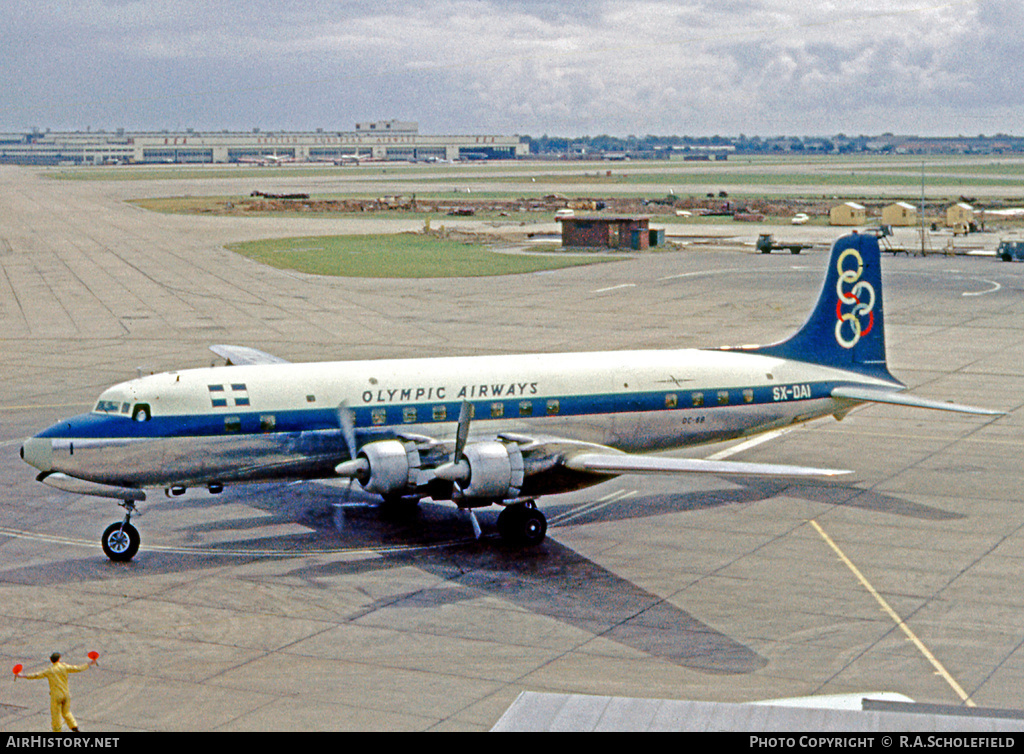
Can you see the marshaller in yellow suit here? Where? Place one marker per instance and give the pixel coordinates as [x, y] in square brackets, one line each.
[60, 695]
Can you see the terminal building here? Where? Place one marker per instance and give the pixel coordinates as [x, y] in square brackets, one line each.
[389, 140]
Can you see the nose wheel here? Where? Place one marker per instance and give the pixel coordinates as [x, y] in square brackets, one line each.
[121, 540]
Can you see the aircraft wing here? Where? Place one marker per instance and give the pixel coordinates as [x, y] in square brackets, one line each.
[898, 398]
[242, 355]
[622, 463]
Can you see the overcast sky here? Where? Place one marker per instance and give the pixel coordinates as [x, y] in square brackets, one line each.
[620, 67]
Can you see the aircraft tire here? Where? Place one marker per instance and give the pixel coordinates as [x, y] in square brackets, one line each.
[120, 542]
[522, 526]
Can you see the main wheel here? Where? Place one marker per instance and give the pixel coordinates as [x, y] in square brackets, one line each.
[121, 541]
[523, 526]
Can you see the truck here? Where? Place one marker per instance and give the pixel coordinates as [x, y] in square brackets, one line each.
[1010, 251]
[766, 244]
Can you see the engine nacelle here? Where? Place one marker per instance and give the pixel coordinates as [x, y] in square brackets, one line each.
[496, 470]
[392, 467]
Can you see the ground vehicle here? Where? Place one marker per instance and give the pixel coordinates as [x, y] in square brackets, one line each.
[1010, 251]
[766, 244]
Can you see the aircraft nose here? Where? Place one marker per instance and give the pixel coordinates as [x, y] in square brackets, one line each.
[38, 452]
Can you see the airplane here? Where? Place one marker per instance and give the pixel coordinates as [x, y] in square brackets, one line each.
[356, 158]
[266, 159]
[480, 430]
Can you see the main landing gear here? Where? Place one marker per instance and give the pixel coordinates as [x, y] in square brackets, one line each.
[522, 524]
[121, 540]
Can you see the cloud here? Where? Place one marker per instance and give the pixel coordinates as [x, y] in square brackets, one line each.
[638, 66]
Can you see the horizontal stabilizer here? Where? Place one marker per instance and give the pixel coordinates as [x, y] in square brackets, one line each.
[621, 463]
[243, 355]
[895, 397]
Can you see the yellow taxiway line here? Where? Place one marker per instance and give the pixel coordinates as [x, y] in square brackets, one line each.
[939, 668]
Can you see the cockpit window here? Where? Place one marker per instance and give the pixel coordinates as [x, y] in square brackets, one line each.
[108, 407]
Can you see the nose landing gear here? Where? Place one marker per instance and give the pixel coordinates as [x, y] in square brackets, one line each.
[121, 540]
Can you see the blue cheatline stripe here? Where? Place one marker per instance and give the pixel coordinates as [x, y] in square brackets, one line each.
[394, 415]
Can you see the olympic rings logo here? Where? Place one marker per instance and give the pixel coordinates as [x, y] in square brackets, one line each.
[857, 321]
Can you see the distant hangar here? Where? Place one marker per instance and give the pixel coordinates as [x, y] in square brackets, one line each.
[388, 140]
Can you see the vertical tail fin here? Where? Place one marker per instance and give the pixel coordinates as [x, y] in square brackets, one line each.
[846, 328]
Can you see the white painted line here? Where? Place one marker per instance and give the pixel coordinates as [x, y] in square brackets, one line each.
[995, 287]
[593, 507]
[751, 443]
[702, 273]
[615, 287]
[214, 550]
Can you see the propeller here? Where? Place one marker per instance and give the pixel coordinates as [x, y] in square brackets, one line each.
[457, 470]
[354, 468]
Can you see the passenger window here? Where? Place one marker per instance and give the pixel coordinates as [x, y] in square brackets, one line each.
[232, 424]
[267, 423]
[723, 397]
[698, 400]
[379, 416]
[748, 396]
[440, 413]
[671, 400]
[552, 407]
[409, 414]
[497, 410]
[526, 408]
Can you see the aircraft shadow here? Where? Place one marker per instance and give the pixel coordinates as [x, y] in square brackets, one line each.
[555, 581]
[551, 580]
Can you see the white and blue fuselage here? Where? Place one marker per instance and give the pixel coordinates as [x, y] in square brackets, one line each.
[477, 430]
[281, 421]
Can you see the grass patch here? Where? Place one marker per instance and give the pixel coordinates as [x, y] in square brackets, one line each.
[405, 255]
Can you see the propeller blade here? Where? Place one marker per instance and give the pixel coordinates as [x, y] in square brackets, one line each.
[347, 423]
[477, 532]
[462, 432]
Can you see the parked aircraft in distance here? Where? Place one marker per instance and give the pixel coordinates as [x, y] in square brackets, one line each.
[480, 430]
[356, 159]
[264, 160]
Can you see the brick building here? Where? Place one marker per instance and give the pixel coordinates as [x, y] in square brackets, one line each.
[614, 232]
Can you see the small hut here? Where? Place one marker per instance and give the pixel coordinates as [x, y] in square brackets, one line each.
[848, 213]
[900, 214]
[960, 216]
